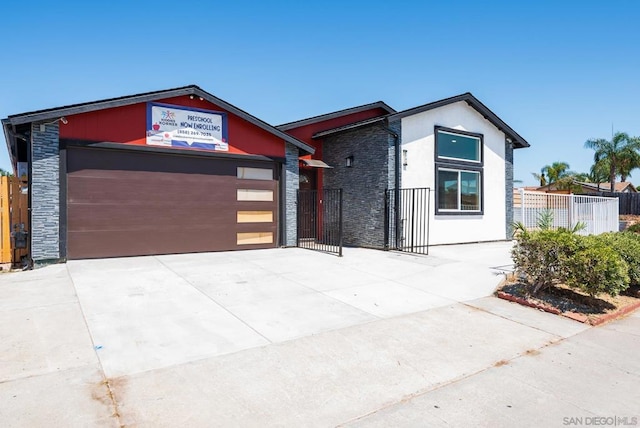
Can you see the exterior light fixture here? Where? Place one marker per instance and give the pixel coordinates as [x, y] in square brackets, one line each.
[404, 158]
[43, 126]
[349, 161]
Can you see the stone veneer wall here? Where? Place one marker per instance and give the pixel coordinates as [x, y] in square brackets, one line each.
[45, 193]
[364, 183]
[508, 175]
[292, 184]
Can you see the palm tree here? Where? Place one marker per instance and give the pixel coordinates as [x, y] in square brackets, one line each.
[556, 171]
[618, 153]
[549, 174]
[628, 162]
[540, 177]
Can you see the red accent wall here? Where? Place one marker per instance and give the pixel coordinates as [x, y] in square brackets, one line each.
[305, 133]
[127, 125]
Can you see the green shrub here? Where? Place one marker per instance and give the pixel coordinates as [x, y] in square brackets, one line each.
[597, 268]
[635, 228]
[628, 246]
[541, 255]
[593, 264]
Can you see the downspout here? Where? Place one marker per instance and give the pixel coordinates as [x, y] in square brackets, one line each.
[396, 193]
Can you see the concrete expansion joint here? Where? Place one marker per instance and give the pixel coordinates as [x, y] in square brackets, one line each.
[213, 300]
[407, 398]
[560, 338]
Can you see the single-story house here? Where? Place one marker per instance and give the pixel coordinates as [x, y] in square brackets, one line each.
[580, 187]
[181, 170]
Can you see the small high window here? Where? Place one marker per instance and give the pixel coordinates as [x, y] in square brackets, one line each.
[458, 147]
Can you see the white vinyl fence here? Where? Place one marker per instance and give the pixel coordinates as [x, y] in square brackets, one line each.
[599, 214]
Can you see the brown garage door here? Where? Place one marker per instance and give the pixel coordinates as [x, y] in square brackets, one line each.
[125, 203]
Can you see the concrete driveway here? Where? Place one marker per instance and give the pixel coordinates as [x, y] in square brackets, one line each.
[145, 313]
[258, 338]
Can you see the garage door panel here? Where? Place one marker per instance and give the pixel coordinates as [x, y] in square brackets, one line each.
[84, 160]
[124, 212]
[127, 217]
[88, 189]
[97, 244]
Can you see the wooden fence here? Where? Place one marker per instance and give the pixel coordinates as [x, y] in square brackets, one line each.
[13, 221]
[628, 203]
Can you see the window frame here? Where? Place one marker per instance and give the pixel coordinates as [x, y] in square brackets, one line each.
[458, 165]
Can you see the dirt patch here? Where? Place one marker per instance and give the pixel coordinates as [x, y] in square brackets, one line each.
[561, 300]
[629, 220]
[103, 392]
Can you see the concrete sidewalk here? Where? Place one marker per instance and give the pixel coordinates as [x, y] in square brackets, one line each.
[291, 337]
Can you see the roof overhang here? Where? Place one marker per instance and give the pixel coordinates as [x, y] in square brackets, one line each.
[10, 140]
[315, 119]
[58, 112]
[517, 141]
[315, 163]
[349, 127]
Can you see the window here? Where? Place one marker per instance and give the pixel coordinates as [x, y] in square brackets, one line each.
[255, 173]
[255, 217]
[458, 172]
[458, 190]
[458, 147]
[254, 195]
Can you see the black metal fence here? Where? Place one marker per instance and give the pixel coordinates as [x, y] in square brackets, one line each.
[407, 220]
[628, 203]
[320, 220]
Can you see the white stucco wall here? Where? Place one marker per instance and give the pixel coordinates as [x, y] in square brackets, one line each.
[418, 141]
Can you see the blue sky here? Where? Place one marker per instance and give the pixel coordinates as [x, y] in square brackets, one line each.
[557, 72]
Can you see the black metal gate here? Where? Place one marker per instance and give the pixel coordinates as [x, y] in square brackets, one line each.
[320, 220]
[406, 220]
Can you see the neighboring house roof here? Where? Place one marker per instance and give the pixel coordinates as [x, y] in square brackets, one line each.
[518, 141]
[57, 112]
[624, 186]
[335, 114]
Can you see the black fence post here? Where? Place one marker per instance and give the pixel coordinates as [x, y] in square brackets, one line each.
[298, 217]
[340, 224]
[386, 219]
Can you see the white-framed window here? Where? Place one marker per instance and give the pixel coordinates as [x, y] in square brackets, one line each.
[459, 172]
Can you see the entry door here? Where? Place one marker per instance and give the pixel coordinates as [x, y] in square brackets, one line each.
[308, 203]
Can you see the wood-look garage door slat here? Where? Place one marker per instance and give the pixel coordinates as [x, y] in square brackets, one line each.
[125, 203]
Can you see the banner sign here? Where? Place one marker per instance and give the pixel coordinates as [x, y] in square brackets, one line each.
[178, 126]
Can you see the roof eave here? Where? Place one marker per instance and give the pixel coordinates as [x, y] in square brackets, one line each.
[43, 115]
[517, 140]
[328, 116]
[254, 120]
[9, 138]
[349, 127]
[53, 113]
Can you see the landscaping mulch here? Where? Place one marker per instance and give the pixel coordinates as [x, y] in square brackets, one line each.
[572, 304]
[629, 220]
